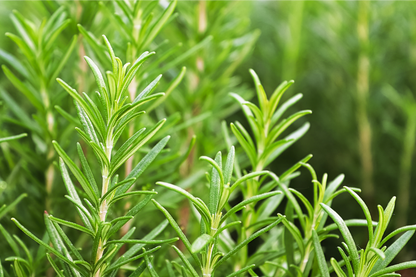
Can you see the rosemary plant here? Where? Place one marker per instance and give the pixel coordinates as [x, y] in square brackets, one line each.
[213, 222]
[102, 125]
[248, 218]
[375, 258]
[266, 127]
[41, 66]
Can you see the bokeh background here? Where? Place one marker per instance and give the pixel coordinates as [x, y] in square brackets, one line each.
[353, 61]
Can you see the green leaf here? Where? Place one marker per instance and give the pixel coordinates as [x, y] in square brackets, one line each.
[241, 101]
[378, 252]
[18, 269]
[87, 170]
[346, 235]
[93, 42]
[245, 242]
[248, 201]
[58, 244]
[63, 60]
[149, 265]
[258, 115]
[112, 191]
[132, 212]
[123, 123]
[55, 267]
[201, 242]
[366, 213]
[67, 116]
[86, 124]
[396, 232]
[112, 55]
[126, 9]
[77, 173]
[179, 59]
[395, 268]
[347, 261]
[116, 266]
[136, 241]
[295, 233]
[33, 98]
[71, 225]
[143, 164]
[148, 90]
[261, 94]
[101, 155]
[244, 269]
[199, 205]
[24, 119]
[15, 63]
[139, 270]
[333, 186]
[10, 240]
[305, 201]
[134, 138]
[54, 34]
[102, 87]
[161, 21]
[40, 242]
[226, 226]
[173, 84]
[337, 268]
[128, 109]
[137, 247]
[392, 251]
[22, 46]
[291, 198]
[5, 209]
[65, 238]
[229, 165]
[82, 211]
[216, 183]
[132, 71]
[274, 147]
[127, 194]
[178, 230]
[122, 157]
[186, 262]
[274, 101]
[97, 114]
[24, 247]
[247, 177]
[320, 255]
[282, 126]
[96, 242]
[86, 108]
[23, 29]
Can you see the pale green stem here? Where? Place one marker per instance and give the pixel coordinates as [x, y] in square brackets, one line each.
[405, 170]
[308, 236]
[50, 121]
[292, 47]
[207, 269]
[104, 205]
[362, 94]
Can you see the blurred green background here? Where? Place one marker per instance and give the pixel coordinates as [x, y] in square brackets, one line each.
[354, 62]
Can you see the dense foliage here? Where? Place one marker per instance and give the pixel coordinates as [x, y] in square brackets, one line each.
[115, 115]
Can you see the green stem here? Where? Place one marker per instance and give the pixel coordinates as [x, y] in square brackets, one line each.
[362, 94]
[405, 170]
[104, 204]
